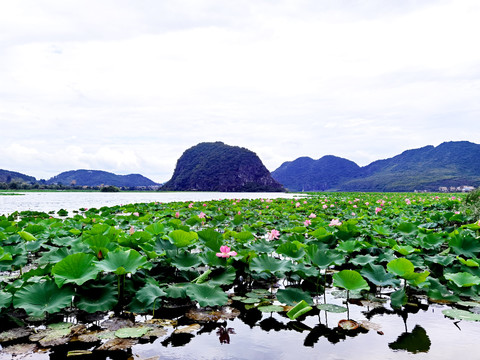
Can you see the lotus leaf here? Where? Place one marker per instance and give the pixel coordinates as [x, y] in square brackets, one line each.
[463, 279]
[5, 299]
[298, 310]
[182, 238]
[271, 308]
[25, 235]
[132, 332]
[350, 280]
[207, 295]
[123, 262]
[43, 297]
[186, 260]
[293, 250]
[292, 296]
[76, 269]
[398, 298]
[378, 276]
[323, 258]
[96, 297]
[332, 308]
[270, 265]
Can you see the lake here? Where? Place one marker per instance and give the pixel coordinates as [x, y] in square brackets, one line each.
[56, 200]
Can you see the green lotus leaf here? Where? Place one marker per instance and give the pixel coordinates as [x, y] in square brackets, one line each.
[271, 308]
[298, 310]
[463, 279]
[350, 280]
[270, 265]
[251, 300]
[293, 296]
[186, 260]
[349, 246]
[25, 235]
[213, 239]
[43, 297]
[461, 314]
[101, 245]
[465, 245]
[96, 297]
[324, 258]
[322, 234]
[123, 262]
[332, 308]
[417, 278]
[262, 246]
[363, 260]
[404, 249]
[293, 250]
[207, 295]
[5, 299]
[398, 298]
[132, 332]
[177, 291]
[401, 267]
[149, 293]
[225, 277]
[244, 236]
[76, 269]
[155, 228]
[407, 228]
[210, 258]
[378, 276]
[54, 256]
[468, 262]
[4, 255]
[181, 238]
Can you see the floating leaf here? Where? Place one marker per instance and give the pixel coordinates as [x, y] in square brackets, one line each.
[298, 310]
[271, 308]
[461, 314]
[131, 332]
[332, 308]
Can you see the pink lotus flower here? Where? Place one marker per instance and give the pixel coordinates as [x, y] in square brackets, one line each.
[457, 212]
[204, 204]
[355, 206]
[225, 252]
[297, 204]
[312, 216]
[335, 222]
[377, 210]
[177, 214]
[307, 222]
[407, 201]
[325, 206]
[132, 230]
[239, 213]
[201, 215]
[353, 214]
[190, 205]
[136, 214]
[367, 203]
[305, 201]
[478, 222]
[274, 234]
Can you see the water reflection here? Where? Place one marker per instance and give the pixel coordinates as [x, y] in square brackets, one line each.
[413, 342]
[224, 334]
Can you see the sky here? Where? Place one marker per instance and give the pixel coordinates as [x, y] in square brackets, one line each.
[126, 86]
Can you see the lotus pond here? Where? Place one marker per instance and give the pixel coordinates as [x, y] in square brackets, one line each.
[338, 275]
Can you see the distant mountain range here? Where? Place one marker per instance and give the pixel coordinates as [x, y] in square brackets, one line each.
[90, 178]
[449, 164]
[97, 177]
[220, 167]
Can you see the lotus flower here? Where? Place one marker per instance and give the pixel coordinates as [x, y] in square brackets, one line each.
[312, 216]
[335, 222]
[225, 252]
[274, 234]
[201, 215]
[377, 210]
[307, 222]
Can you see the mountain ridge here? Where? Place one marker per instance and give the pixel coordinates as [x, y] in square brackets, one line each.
[453, 163]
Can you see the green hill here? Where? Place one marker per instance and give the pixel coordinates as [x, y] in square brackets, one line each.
[214, 166]
[7, 176]
[94, 178]
[427, 168]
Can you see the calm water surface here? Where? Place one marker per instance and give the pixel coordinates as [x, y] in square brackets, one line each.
[54, 201]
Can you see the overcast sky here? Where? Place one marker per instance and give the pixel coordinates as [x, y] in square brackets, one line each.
[127, 86]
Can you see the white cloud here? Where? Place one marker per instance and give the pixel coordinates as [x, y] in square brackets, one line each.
[127, 86]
